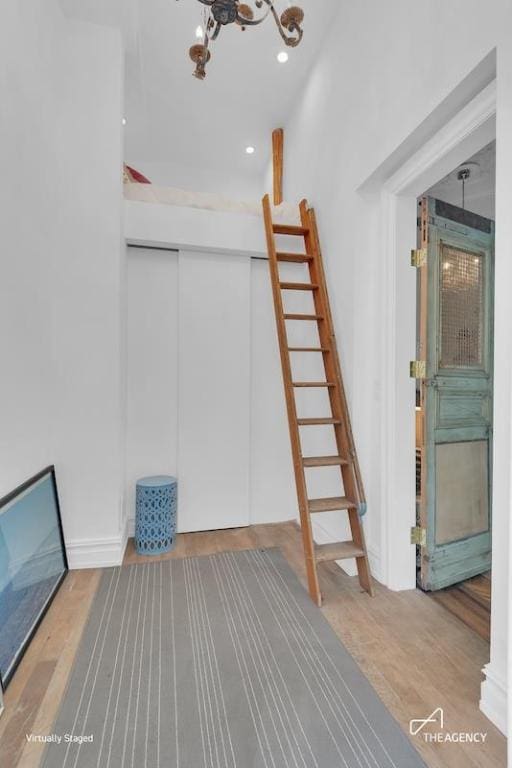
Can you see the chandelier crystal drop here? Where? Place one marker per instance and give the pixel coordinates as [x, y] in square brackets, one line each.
[220, 13]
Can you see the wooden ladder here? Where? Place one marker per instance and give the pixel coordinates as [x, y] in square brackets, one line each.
[352, 499]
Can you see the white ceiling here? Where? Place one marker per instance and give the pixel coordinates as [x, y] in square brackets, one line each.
[172, 116]
[480, 187]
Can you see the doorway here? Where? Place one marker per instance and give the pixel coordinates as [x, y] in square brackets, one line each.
[454, 389]
[404, 176]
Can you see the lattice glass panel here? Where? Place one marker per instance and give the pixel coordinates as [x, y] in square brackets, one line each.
[462, 308]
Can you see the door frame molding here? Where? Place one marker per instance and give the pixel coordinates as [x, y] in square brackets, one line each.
[451, 142]
[471, 129]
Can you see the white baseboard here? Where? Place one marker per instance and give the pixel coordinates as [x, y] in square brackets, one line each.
[96, 553]
[493, 700]
[375, 565]
[125, 535]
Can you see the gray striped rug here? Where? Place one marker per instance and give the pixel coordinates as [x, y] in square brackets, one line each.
[218, 662]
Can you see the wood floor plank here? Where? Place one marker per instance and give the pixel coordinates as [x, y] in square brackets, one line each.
[414, 652]
[23, 715]
[466, 609]
[54, 646]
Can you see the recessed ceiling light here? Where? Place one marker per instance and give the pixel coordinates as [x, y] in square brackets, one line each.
[123, 121]
[282, 57]
[250, 150]
[199, 32]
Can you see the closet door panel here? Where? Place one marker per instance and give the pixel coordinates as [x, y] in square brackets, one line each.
[273, 495]
[152, 362]
[213, 391]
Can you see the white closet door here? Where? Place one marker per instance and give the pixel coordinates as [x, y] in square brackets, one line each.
[273, 495]
[152, 363]
[214, 391]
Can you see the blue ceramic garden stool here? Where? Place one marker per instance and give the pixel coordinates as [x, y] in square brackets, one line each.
[155, 520]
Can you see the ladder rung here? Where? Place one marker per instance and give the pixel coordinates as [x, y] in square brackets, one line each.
[298, 258]
[315, 422]
[308, 349]
[313, 384]
[306, 252]
[330, 504]
[289, 229]
[324, 461]
[341, 550]
[298, 286]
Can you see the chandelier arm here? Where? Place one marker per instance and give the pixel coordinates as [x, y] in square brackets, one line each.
[293, 28]
[200, 71]
[291, 32]
[216, 31]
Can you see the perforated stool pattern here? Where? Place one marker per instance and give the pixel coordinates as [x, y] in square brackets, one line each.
[156, 511]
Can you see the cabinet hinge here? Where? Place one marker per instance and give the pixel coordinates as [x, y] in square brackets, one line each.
[418, 369]
[419, 536]
[418, 257]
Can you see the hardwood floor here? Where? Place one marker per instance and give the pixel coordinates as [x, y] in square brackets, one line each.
[416, 655]
[470, 601]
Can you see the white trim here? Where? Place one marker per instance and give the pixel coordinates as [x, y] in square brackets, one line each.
[96, 553]
[493, 701]
[471, 129]
[398, 513]
[125, 535]
[479, 114]
[375, 564]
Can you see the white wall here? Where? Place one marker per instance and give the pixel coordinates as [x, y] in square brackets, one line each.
[60, 287]
[379, 78]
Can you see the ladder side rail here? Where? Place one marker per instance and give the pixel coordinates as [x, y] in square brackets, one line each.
[300, 478]
[326, 334]
[350, 473]
[346, 427]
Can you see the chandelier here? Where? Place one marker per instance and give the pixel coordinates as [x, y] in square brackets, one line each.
[220, 13]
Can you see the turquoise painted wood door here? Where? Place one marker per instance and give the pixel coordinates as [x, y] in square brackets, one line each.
[456, 341]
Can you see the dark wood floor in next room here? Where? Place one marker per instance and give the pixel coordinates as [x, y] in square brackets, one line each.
[470, 601]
